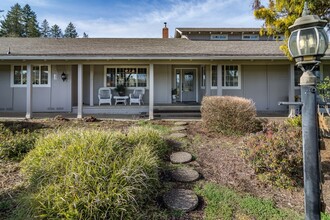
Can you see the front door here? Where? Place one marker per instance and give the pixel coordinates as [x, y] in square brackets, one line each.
[186, 84]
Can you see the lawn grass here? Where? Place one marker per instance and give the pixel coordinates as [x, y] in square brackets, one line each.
[226, 204]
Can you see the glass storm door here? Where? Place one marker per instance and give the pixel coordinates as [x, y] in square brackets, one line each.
[186, 84]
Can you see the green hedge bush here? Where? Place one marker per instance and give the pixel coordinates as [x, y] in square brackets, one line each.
[14, 145]
[276, 154]
[92, 174]
[229, 115]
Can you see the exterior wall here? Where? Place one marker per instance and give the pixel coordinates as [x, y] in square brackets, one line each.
[266, 85]
[74, 85]
[163, 85]
[6, 92]
[44, 99]
[86, 87]
[326, 70]
[231, 37]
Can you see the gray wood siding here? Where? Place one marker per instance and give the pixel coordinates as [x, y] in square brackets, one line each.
[163, 84]
[6, 92]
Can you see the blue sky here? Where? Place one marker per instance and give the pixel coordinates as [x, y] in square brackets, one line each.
[139, 18]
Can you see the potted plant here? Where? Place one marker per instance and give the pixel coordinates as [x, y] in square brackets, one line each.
[174, 94]
[121, 88]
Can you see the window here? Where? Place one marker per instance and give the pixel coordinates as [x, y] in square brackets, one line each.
[20, 73]
[231, 76]
[40, 75]
[219, 37]
[250, 37]
[130, 76]
[214, 76]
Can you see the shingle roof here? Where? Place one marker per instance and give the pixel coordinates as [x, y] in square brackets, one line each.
[155, 48]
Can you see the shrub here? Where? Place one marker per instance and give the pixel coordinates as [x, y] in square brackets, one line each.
[92, 175]
[295, 121]
[229, 115]
[14, 145]
[276, 154]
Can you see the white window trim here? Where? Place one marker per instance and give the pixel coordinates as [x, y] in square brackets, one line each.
[239, 77]
[33, 85]
[126, 66]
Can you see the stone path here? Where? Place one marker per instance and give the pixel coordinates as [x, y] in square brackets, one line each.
[184, 174]
[181, 157]
[179, 199]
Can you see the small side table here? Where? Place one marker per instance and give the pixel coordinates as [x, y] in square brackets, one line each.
[120, 99]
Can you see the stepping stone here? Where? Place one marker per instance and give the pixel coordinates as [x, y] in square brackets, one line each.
[177, 135]
[181, 200]
[180, 157]
[179, 128]
[184, 174]
[181, 123]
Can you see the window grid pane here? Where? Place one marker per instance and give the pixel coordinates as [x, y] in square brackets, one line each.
[130, 77]
[142, 77]
[230, 76]
[35, 75]
[44, 75]
[17, 75]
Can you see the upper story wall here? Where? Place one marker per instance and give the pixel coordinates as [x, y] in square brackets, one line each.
[225, 34]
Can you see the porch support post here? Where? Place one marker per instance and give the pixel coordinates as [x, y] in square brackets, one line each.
[292, 108]
[91, 85]
[151, 92]
[208, 69]
[219, 80]
[29, 92]
[80, 91]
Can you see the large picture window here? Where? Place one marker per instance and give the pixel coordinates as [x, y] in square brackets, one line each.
[128, 76]
[231, 76]
[40, 75]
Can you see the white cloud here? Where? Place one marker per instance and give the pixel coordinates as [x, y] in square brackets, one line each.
[207, 13]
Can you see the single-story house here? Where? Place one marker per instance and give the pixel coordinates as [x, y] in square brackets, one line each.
[64, 75]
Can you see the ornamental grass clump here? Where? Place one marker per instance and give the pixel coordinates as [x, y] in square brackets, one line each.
[15, 144]
[276, 154]
[229, 115]
[92, 175]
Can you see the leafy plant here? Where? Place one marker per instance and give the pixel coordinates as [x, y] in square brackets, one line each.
[324, 88]
[294, 121]
[276, 154]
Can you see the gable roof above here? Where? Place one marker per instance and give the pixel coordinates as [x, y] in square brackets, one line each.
[125, 48]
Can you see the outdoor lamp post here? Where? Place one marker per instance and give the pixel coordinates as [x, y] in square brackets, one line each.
[308, 42]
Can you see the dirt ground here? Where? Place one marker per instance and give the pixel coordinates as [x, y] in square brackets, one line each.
[218, 159]
[221, 162]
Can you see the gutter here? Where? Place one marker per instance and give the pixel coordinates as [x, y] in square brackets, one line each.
[4, 58]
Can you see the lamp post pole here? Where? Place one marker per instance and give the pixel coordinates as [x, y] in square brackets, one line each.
[308, 42]
[310, 147]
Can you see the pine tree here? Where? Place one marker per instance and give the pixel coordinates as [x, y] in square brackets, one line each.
[70, 31]
[85, 35]
[280, 14]
[31, 26]
[45, 29]
[12, 25]
[56, 32]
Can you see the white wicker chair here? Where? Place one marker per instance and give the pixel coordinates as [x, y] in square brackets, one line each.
[136, 96]
[104, 95]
